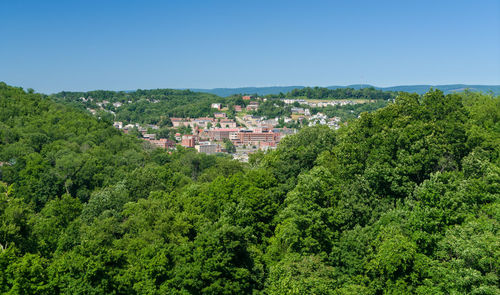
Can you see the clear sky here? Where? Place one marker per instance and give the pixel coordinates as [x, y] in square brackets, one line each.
[120, 45]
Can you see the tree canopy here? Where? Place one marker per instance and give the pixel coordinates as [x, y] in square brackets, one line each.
[403, 200]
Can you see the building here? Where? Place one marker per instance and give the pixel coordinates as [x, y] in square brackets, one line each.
[188, 141]
[264, 145]
[149, 135]
[260, 129]
[291, 101]
[163, 143]
[207, 147]
[216, 106]
[227, 123]
[252, 120]
[298, 111]
[285, 131]
[218, 134]
[178, 122]
[249, 137]
[253, 106]
[201, 122]
[247, 97]
[237, 108]
[269, 123]
[220, 115]
[118, 125]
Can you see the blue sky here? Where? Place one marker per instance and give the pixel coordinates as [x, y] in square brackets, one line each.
[83, 45]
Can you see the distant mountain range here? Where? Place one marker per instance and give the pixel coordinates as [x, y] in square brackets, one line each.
[420, 89]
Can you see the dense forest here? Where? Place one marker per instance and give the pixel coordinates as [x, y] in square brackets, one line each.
[403, 200]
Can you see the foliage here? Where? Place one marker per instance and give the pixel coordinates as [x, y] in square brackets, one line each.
[403, 200]
[341, 93]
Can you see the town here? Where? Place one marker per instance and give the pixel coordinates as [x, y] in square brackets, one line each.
[241, 136]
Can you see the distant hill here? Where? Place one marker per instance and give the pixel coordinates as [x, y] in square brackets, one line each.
[420, 89]
[249, 90]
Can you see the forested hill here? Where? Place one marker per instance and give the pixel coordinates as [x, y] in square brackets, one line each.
[341, 93]
[155, 106]
[146, 106]
[404, 200]
[420, 89]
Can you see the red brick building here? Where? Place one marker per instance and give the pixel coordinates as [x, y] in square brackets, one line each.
[188, 141]
[256, 137]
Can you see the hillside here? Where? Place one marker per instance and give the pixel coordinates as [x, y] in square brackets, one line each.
[403, 200]
[145, 106]
[156, 106]
[248, 90]
[420, 89]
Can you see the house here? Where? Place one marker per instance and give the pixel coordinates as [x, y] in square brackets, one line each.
[298, 111]
[227, 123]
[220, 115]
[128, 127]
[291, 101]
[149, 136]
[247, 97]
[269, 123]
[118, 125]
[237, 108]
[216, 106]
[177, 122]
[252, 107]
[201, 122]
[251, 120]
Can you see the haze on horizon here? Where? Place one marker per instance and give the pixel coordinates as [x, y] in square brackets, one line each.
[87, 45]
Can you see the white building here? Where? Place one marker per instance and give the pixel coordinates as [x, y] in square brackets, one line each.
[206, 147]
